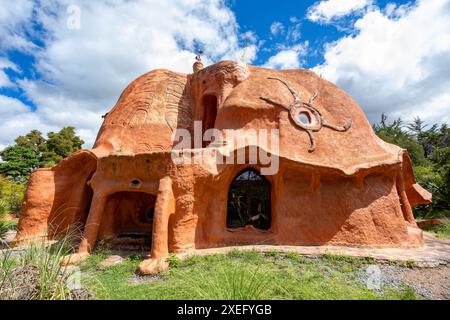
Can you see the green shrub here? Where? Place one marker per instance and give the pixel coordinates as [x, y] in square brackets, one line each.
[435, 181]
[3, 224]
[440, 230]
[174, 261]
[11, 194]
[35, 272]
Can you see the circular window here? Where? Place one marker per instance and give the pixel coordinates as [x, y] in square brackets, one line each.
[304, 118]
[135, 183]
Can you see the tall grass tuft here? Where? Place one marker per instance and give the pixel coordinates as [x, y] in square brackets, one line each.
[34, 272]
[4, 227]
[235, 282]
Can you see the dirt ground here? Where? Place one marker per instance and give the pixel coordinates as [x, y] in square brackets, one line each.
[429, 283]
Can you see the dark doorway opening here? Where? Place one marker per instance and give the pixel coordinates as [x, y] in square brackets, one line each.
[249, 201]
[128, 220]
[209, 114]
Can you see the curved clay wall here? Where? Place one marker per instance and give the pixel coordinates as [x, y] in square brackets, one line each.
[335, 181]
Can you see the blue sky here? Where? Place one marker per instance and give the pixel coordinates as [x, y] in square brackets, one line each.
[258, 16]
[66, 62]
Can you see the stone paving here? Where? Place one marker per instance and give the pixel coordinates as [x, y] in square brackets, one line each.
[435, 252]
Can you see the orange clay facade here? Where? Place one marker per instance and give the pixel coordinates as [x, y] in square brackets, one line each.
[336, 182]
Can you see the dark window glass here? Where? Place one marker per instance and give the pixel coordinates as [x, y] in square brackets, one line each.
[249, 201]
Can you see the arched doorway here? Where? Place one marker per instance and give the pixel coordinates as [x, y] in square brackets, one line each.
[249, 201]
[128, 219]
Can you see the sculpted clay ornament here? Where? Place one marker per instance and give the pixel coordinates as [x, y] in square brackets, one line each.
[305, 115]
[354, 189]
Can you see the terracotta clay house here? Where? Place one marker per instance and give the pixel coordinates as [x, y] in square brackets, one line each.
[336, 182]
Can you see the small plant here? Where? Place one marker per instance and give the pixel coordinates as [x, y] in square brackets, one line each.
[272, 253]
[6, 264]
[103, 248]
[406, 264]
[4, 227]
[292, 256]
[174, 261]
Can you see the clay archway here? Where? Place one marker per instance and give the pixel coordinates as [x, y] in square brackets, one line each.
[249, 201]
[128, 218]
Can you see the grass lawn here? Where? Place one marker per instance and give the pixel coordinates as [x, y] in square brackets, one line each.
[239, 275]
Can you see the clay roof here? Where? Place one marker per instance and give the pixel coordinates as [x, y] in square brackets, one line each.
[159, 102]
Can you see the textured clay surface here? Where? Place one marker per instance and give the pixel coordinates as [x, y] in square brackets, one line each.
[337, 183]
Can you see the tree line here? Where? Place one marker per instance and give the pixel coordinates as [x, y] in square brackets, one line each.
[429, 149]
[33, 151]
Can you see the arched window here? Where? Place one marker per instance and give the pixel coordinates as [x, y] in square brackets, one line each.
[249, 201]
[210, 114]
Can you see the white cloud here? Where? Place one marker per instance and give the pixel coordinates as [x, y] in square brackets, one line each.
[18, 120]
[84, 70]
[276, 28]
[328, 10]
[13, 14]
[293, 33]
[4, 79]
[249, 37]
[398, 62]
[288, 58]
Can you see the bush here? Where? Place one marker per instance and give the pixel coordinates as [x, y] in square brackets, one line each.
[35, 273]
[437, 183]
[429, 150]
[3, 224]
[11, 194]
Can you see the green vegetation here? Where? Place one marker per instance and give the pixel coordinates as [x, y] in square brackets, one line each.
[239, 275]
[34, 151]
[11, 195]
[440, 230]
[429, 150]
[34, 273]
[3, 224]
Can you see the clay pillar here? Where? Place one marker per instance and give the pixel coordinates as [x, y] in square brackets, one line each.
[164, 207]
[406, 207]
[93, 223]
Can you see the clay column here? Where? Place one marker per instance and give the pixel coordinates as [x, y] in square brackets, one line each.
[164, 207]
[90, 232]
[93, 223]
[406, 207]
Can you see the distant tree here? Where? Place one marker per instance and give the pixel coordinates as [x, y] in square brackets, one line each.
[33, 139]
[18, 162]
[33, 151]
[394, 133]
[59, 146]
[429, 148]
[417, 127]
